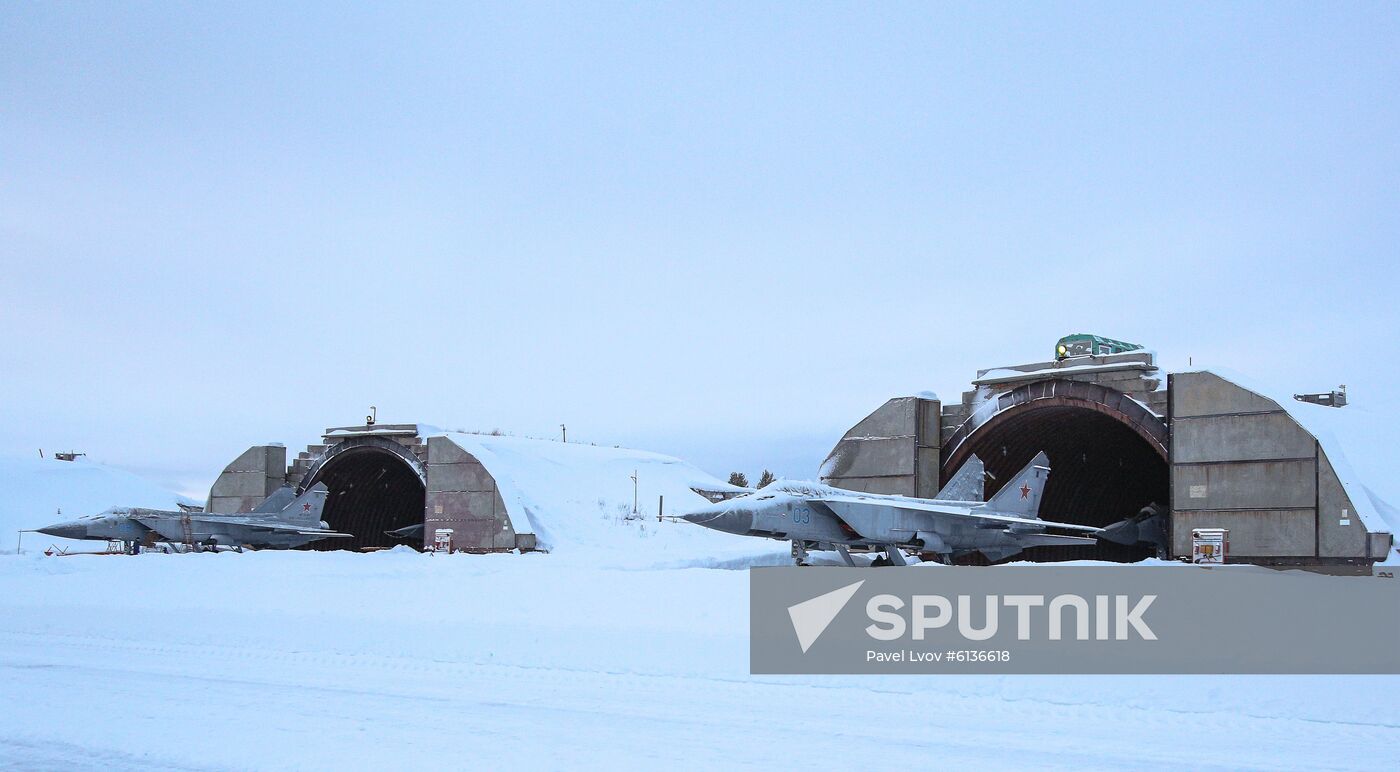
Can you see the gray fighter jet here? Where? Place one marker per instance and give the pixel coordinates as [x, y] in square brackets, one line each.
[282, 521]
[953, 523]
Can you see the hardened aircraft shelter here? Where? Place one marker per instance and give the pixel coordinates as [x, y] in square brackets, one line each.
[1284, 474]
[491, 493]
[1204, 449]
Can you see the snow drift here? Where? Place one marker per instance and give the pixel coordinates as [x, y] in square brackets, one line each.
[35, 492]
[577, 497]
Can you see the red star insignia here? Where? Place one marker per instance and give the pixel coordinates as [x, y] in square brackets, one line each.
[1025, 491]
[307, 507]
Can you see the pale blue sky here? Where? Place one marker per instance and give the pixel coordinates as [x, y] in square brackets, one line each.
[721, 231]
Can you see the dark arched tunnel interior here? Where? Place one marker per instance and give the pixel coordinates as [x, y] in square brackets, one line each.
[370, 491]
[1101, 471]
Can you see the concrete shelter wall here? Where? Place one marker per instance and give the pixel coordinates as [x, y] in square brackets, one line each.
[1240, 461]
[462, 495]
[256, 474]
[1339, 531]
[895, 449]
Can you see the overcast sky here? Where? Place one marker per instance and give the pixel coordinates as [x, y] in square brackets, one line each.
[725, 232]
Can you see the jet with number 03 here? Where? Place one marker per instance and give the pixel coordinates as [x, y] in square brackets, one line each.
[953, 523]
[282, 521]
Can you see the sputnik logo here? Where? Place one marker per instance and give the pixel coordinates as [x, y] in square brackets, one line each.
[810, 618]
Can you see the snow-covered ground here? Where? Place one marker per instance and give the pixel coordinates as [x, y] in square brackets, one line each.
[625, 647]
[396, 659]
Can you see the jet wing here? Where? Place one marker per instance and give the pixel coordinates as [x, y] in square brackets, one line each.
[860, 503]
[274, 528]
[1053, 540]
[170, 528]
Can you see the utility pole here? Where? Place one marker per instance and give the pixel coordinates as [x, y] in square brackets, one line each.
[634, 491]
[660, 504]
[565, 430]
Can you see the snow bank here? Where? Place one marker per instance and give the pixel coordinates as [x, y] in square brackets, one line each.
[33, 491]
[579, 499]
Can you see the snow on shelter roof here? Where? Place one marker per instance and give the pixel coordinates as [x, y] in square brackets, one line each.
[578, 495]
[1359, 442]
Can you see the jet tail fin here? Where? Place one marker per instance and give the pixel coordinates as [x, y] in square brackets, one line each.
[277, 502]
[306, 509]
[967, 484]
[1021, 497]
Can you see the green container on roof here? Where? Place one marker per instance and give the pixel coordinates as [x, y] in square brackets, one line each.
[1083, 345]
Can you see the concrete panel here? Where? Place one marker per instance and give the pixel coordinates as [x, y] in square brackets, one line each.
[948, 423]
[1340, 532]
[1157, 401]
[928, 471]
[930, 421]
[255, 474]
[459, 477]
[253, 459]
[1239, 437]
[231, 505]
[1197, 394]
[275, 464]
[873, 458]
[901, 486]
[1252, 485]
[1255, 533]
[460, 504]
[1380, 544]
[442, 450]
[469, 533]
[895, 418]
[478, 520]
[253, 484]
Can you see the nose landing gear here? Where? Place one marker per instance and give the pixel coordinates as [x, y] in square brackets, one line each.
[799, 553]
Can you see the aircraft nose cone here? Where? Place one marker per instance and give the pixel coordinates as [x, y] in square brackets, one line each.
[65, 530]
[729, 521]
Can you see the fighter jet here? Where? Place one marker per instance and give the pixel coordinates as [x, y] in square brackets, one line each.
[951, 524]
[282, 521]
